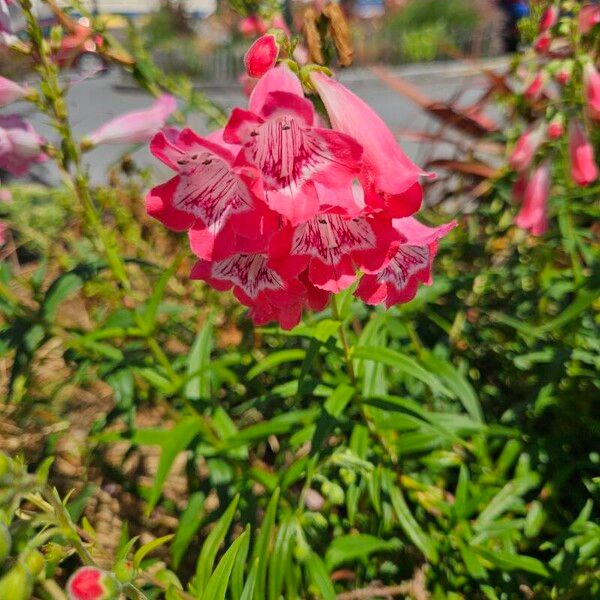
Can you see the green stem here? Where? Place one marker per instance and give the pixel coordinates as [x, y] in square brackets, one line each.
[344, 341]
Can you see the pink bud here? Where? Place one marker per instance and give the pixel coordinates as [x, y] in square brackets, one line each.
[589, 17]
[591, 81]
[535, 88]
[556, 128]
[533, 214]
[526, 147]
[2, 234]
[583, 165]
[549, 18]
[91, 583]
[261, 56]
[542, 43]
[563, 75]
[10, 91]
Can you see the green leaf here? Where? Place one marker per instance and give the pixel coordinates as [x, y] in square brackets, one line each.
[349, 548]
[410, 526]
[274, 360]
[237, 573]
[211, 547]
[172, 442]
[279, 559]
[216, 588]
[510, 562]
[261, 545]
[248, 591]
[319, 576]
[473, 564]
[461, 498]
[139, 556]
[402, 363]
[188, 525]
[199, 377]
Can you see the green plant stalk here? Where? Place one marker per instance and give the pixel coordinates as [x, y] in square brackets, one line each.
[344, 341]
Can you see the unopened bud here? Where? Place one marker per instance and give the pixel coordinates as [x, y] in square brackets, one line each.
[261, 56]
[17, 584]
[91, 583]
[34, 562]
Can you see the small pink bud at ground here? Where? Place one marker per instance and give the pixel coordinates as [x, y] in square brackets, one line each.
[534, 90]
[91, 583]
[591, 81]
[556, 128]
[589, 17]
[583, 164]
[10, 91]
[261, 56]
[526, 147]
[533, 215]
[549, 18]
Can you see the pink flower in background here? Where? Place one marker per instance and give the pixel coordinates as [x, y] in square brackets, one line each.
[534, 90]
[3, 230]
[583, 164]
[219, 205]
[389, 178]
[564, 73]
[534, 213]
[261, 56]
[301, 165]
[409, 265]
[269, 295]
[542, 43]
[556, 127]
[591, 79]
[589, 17]
[252, 26]
[91, 583]
[135, 127]
[5, 21]
[20, 145]
[549, 18]
[10, 91]
[526, 147]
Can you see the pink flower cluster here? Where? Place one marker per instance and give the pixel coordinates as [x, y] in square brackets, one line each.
[534, 183]
[286, 211]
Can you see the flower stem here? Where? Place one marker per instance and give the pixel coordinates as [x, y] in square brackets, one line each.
[344, 341]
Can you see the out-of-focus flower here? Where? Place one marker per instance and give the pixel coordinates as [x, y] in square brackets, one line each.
[91, 583]
[20, 145]
[564, 72]
[5, 21]
[534, 213]
[526, 147]
[5, 194]
[534, 90]
[390, 180]
[252, 25]
[2, 233]
[556, 127]
[248, 84]
[409, 265]
[549, 18]
[10, 91]
[591, 79]
[583, 164]
[589, 17]
[261, 56]
[134, 127]
[542, 43]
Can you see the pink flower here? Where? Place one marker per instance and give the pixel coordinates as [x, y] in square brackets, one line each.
[542, 43]
[3, 230]
[305, 169]
[10, 91]
[91, 583]
[136, 126]
[389, 178]
[583, 165]
[534, 90]
[563, 75]
[526, 147]
[261, 56]
[5, 20]
[409, 265]
[533, 215]
[549, 18]
[268, 294]
[589, 17]
[332, 248]
[219, 205]
[20, 145]
[252, 26]
[556, 128]
[591, 79]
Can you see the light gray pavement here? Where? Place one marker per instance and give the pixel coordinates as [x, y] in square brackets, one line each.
[93, 101]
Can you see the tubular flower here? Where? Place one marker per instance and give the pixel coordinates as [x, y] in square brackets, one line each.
[535, 89]
[526, 147]
[589, 17]
[591, 79]
[20, 145]
[549, 18]
[533, 215]
[583, 164]
[134, 127]
[556, 127]
[389, 178]
[542, 43]
[261, 56]
[10, 91]
[408, 266]
[284, 212]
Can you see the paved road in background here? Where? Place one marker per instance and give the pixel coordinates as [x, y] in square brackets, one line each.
[93, 101]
